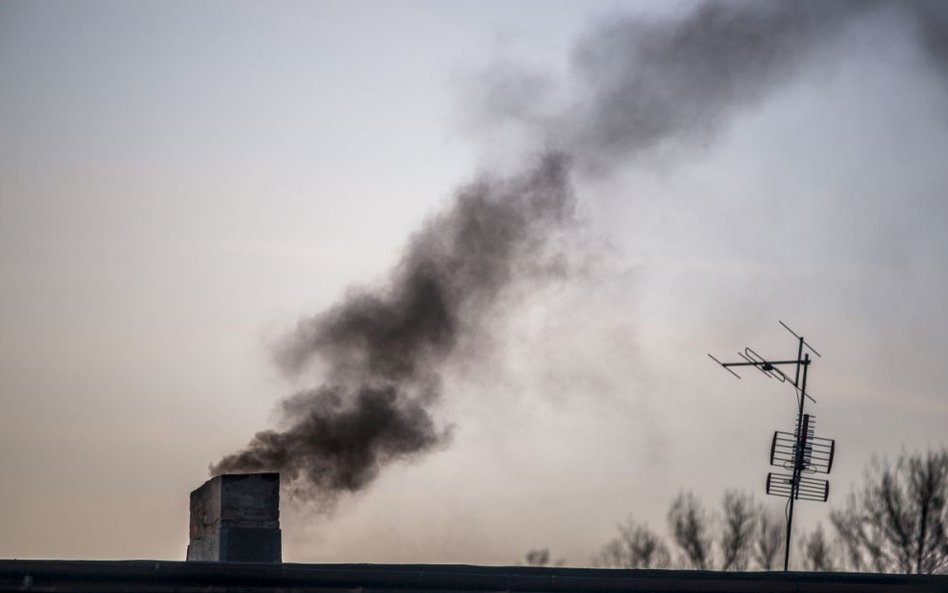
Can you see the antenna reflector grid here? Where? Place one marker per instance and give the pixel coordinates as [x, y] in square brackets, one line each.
[813, 489]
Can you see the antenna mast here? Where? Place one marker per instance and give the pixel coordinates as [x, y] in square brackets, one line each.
[801, 453]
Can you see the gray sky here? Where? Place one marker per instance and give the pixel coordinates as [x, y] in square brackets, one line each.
[181, 183]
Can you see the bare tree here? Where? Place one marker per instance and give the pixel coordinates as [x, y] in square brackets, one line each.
[612, 555]
[768, 539]
[541, 557]
[816, 551]
[898, 522]
[691, 530]
[537, 557]
[636, 546]
[739, 520]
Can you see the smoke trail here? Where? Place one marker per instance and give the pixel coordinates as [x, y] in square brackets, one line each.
[382, 351]
[650, 82]
[645, 84]
[932, 21]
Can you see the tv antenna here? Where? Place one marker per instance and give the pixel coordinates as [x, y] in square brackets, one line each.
[800, 453]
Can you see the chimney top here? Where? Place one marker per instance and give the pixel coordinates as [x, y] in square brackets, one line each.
[236, 518]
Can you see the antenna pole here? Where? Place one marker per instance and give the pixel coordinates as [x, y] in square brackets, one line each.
[799, 462]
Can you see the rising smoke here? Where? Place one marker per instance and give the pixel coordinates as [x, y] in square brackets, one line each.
[381, 352]
[645, 83]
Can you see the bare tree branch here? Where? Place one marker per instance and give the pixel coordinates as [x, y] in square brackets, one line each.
[739, 521]
[899, 521]
[636, 546]
[691, 530]
[768, 539]
[537, 557]
[541, 557]
[816, 551]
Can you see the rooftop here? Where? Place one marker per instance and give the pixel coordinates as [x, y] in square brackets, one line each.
[152, 576]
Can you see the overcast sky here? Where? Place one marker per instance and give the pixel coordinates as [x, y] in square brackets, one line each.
[181, 183]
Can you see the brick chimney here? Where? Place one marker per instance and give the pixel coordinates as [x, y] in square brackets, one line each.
[236, 518]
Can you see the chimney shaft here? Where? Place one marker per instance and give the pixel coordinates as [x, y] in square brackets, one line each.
[236, 518]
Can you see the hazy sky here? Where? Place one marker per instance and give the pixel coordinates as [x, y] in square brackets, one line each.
[180, 183]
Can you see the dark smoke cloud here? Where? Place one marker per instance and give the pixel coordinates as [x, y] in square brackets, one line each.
[644, 83]
[340, 437]
[932, 22]
[648, 82]
[448, 277]
[381, 352]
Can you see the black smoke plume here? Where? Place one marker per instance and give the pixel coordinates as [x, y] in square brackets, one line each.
[643, 84]
[381, 352]
[646, 83]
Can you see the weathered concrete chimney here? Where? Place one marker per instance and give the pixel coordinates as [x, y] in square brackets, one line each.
[236, 518]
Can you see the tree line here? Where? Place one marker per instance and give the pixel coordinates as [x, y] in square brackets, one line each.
[896, 521]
